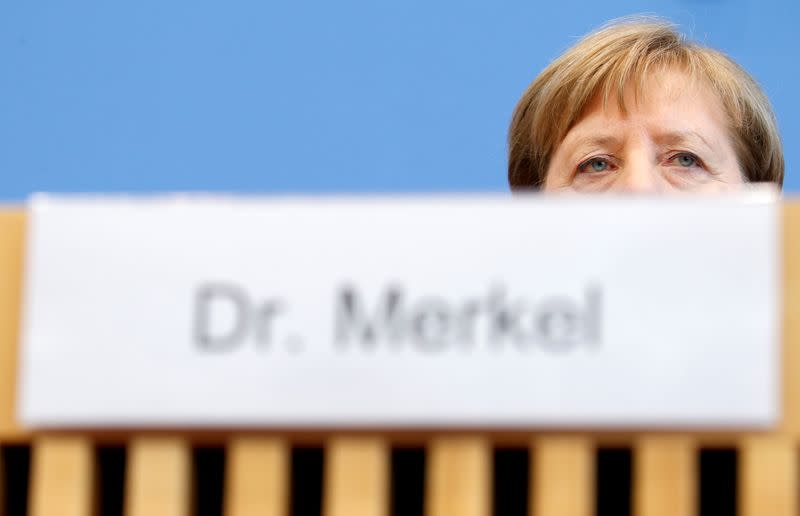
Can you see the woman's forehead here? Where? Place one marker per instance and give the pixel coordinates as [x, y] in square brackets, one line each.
[671, 101]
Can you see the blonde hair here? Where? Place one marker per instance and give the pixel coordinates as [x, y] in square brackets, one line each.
[625, 53]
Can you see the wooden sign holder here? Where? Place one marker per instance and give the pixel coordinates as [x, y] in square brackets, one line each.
[356, 474]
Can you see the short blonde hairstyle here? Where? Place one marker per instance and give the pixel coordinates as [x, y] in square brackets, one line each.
[625, 53]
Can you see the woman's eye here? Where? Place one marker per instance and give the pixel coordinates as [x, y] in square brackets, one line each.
[594, 165]
[686, 160]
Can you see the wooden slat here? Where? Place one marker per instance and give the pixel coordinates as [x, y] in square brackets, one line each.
[257, 477]
[356, 477]
[12, 231]
[62, 477]
[791, 318]
[665, 476]
[158, 479]
[768, 476]
[458, 478]
[562, 476]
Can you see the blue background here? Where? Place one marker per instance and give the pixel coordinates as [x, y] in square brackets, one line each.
[272, 96]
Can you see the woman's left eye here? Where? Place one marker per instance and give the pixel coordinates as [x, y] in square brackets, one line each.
[686, 159]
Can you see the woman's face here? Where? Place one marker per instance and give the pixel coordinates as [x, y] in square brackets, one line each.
[675, 138]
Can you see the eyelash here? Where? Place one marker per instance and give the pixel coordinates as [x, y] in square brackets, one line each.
[586, 163]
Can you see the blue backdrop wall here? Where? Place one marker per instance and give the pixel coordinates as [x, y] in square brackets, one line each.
[273, 96]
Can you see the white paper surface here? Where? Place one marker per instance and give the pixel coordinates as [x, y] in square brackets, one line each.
[484, 311]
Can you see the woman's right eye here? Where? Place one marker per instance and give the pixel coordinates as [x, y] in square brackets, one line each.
[596, 164]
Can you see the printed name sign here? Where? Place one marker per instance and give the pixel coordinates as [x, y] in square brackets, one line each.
[402, 312]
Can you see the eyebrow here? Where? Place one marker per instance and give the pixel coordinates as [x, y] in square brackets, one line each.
[595, 141]
[678, 137]
[665, 138]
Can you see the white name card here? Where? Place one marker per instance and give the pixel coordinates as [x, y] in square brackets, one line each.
[401, 312]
